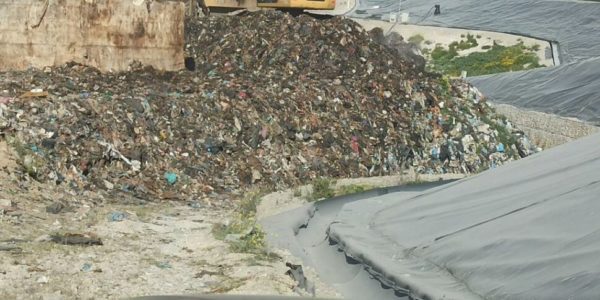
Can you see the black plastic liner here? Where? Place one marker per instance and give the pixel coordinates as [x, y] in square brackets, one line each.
[569, 90]
[526, 230]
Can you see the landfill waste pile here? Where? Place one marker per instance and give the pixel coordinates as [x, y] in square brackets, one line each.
[274, 101]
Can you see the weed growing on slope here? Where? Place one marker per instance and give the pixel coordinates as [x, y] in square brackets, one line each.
[243, 233]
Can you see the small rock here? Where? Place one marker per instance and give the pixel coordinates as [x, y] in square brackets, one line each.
[484, 128]
[42, 280]
[468, 143]
[55, 208]
[55, 296]
[256, 176]
[195, 204]
[108, 185]
[136, 165]
[6, 203]
[43, 238]
[233, 237]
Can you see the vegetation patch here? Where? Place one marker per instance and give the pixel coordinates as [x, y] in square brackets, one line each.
[297, 192]
[497, 59]
[322, 188]
[228, 284]
[503, 134]
[353, 189]
[469, 43]
[29, 157]
[243, 233]
[416, 182]
[416, 39]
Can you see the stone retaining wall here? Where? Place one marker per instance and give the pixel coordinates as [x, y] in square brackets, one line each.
[546, 130]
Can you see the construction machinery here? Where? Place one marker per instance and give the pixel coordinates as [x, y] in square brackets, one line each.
[292, 5]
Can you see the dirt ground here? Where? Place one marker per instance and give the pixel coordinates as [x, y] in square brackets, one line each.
[157, 249]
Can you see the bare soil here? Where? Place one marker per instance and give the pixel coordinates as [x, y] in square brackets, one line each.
[157, 249]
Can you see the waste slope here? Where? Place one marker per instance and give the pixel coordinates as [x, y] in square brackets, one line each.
[527, 230]
[572, 24]
[275, 101]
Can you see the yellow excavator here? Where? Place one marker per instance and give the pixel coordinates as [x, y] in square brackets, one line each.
[291, 5]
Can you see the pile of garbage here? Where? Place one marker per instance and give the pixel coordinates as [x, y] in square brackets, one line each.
[274, 100]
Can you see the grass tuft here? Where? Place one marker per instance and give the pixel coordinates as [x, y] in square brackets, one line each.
[244, 234]
[416, 39]
[322, 189]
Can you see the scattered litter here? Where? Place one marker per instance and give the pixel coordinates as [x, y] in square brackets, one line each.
[500, 148]
[87, 267]
[171, 178]
[35, 93]
[6, 100]
[195, 204]
[164, 265]
[117, 216]
[297, 274]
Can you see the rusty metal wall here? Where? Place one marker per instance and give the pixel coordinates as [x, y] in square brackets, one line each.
[106, 34]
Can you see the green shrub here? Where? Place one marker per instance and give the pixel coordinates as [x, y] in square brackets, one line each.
[249, 203]
[322, 188]
[297, 192]
[29, 158]
[249, 236]
[416, 39]
[471, 42]
[439, 53]
[497, 60]
[353, 189]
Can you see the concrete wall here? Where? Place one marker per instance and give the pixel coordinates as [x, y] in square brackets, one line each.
[107, 34]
